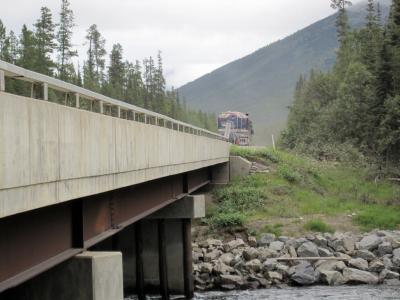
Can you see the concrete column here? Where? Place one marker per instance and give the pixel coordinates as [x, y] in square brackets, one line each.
[2, 81]
[119, 111]
[32, 89]
[45, 91]
[77, 100]
[87, 276]
[101, 107]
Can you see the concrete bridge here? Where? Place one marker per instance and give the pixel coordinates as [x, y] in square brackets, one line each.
[95, 193]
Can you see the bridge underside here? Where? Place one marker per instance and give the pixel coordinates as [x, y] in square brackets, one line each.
[35, 241]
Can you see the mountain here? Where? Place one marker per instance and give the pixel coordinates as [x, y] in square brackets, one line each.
[263, 82]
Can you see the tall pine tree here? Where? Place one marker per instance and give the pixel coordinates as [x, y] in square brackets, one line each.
[45, 42]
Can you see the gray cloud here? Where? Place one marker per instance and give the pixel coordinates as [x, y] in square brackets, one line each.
[195, 36]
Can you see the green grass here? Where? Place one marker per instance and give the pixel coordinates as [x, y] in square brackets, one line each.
[274, 228]
[318, 226]
[299, 186]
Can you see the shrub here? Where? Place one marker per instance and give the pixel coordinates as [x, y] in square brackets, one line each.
[227, 219]
[275, 229]
[318, 226]
[289, 174]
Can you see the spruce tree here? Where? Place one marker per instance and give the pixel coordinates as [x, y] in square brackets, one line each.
[64, 38]
[95, 64]
[45, 43]
[3, 41]
[27, 50]
[116, 72]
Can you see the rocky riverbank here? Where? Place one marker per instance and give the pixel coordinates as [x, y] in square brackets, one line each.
[333, 259]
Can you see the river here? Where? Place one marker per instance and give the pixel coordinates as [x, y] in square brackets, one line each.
[359, 292]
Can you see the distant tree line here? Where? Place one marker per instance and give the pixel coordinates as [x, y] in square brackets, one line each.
[47, 48]
[355, 106]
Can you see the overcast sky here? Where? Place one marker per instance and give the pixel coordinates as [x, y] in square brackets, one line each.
[195, 36]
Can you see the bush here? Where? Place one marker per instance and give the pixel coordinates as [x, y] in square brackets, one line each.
[318, 226]
[289, 174]
[227, 219]
[275, 229]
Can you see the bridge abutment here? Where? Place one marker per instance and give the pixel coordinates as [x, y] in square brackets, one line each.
[87, 276]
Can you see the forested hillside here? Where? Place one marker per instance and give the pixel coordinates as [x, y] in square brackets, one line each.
[47, 48]
[262, 83]
[355, 108]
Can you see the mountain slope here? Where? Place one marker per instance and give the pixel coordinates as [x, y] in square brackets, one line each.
[262, 83]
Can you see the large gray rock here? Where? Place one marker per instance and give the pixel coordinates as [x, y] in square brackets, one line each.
[252, 241]
[308, 249]
[265, 253]
[332, 277]
[364, 254]
[250, 253]
[213, 255]
[206, 268]
[385, 248]
[349, 243]
[227, 258]
[323, 252]
[351, 275]
[320, 241]
[358, 263]
[376, 266]
[337, 245]
[222, 269]
[197, 256]
[303, 274]
[282, 269]
[275, 276]
[233, 245]
[276, 246]
[266, 239]
[387, 262]
[369, 242]
[235, 280]
[254, 265]
[329, 265]
[396, 257]
[387, 274]
[270, 264]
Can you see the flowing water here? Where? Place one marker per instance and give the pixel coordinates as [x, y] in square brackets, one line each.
[359, 292]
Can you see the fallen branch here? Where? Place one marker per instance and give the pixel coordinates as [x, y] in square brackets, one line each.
[311, 258]
[394, 179]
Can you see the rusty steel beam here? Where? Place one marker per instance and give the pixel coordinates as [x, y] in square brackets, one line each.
[34, 241]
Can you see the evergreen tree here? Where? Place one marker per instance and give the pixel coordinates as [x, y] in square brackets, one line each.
[3, 41]
[64, 38]
[95, 64]
[116, 72]
[342, 22]
[393, 34]
[45, 44]
[27, 50]
[159, 85]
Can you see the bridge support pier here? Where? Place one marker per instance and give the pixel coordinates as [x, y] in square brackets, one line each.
[87, 276]
[157, 250]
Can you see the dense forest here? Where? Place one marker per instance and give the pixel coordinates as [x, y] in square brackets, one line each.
[353, 111]
[47, 48]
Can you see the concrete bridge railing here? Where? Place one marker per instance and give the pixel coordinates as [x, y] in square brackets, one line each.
[52, 153]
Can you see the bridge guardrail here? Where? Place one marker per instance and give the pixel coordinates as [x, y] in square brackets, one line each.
[98, 102]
